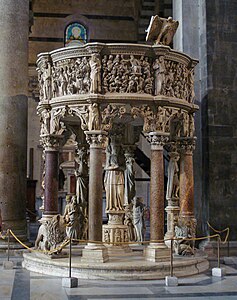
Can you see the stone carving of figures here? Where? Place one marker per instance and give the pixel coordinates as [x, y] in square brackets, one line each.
[114, 178]
[131, 85]
[51, 234]
[175, 125]
[129, 179]
[94, 117]
[138, 219]
[83, 221]
[54, 83]
[107, 236]
[135, 65]
[140, 86]
[161, 30]
[173, 177]
[73, 219]
[81, 173]
[117, 236]
[45, 122]
[62, 83]
[146, 67]
[191, 126]
[95, 65]
[191, 85]
[159, 67]
[129, 222]
[148, 85]
[68, 208]
[46, 80]
[185, 229]
[110, 63]
[184, 118]
[148, 118]
[85, 71]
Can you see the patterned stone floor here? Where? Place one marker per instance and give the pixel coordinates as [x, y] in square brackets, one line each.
[20, 284]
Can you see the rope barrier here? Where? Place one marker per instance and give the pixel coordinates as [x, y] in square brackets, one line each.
[67, 241]
[221, 231]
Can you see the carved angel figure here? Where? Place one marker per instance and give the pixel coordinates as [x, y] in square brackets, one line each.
[161, 30]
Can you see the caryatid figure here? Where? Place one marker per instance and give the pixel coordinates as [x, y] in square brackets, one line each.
[173, 177]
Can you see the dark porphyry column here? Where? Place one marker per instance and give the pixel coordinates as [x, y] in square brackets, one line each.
[14, 15]
[157, 249]
[95, 252]
[51, 146]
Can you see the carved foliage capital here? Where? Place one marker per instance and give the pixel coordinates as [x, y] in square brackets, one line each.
[157, 140]
[51, 142]
[187, 145]
[96, 138]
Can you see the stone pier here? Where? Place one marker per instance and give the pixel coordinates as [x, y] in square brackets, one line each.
[13, 114]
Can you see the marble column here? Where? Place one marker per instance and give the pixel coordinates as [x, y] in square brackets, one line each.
[14, 16]
[51, 148]
[187, 183]
[95, 252]
[157, 250]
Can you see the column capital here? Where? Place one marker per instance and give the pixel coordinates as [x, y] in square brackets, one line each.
[96, 138]
[157, 139]
[51, 142]
[186, 145]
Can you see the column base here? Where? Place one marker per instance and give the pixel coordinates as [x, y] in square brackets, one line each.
[46, 217]
[95, 253]
[156, 252]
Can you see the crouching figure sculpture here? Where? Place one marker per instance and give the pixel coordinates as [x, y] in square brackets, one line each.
[51, 234]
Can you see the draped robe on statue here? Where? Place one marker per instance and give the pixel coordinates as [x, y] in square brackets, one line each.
[114, 188]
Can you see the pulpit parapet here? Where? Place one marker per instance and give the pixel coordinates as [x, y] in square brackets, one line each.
[116, 73]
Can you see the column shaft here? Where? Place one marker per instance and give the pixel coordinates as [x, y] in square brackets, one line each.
[13, 114]
[95, 194]
[51, 183]
[157, 195]
[186, 185]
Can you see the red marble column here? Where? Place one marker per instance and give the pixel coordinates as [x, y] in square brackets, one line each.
[157, 249]
[186, 178]
[51, 145]
[51, 183]
[157, 194]
[157, 201]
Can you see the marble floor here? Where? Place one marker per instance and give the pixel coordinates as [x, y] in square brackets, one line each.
[20, 284]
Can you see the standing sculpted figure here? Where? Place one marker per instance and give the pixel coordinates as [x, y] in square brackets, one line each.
[94, 117]
[159, 68]
[114, 178]
[46, 80]
[81, 173]
[173, 177]
[95, 66]
[129, 177]
[73, 219]
[138, 219]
